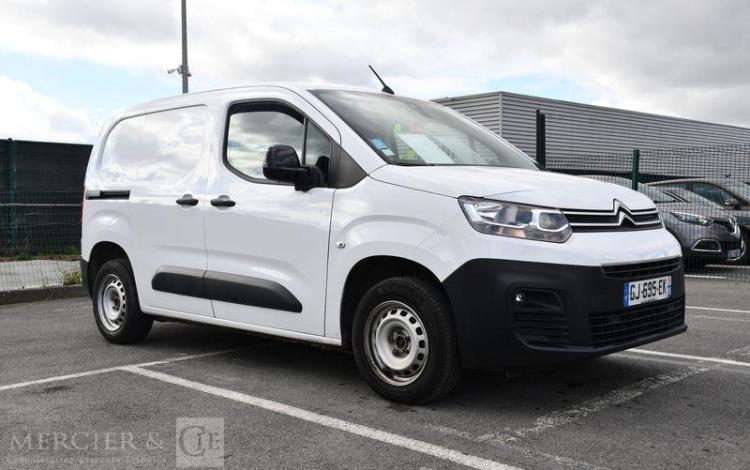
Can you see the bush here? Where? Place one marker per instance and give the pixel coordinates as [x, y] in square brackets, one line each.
[23, 256]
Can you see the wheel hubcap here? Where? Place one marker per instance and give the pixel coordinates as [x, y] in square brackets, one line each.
[396, 343]
[112, 303]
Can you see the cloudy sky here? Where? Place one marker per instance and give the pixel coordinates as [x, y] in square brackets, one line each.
[65, 65]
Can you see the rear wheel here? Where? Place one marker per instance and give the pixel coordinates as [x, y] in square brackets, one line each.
[116, 310]
[404, 340]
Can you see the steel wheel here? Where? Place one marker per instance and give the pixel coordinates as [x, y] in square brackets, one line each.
[396, 343]
[111, 302]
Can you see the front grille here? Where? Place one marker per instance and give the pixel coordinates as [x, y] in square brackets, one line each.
[612, 328]
[619, 218]
[727, 224]
[637, 270]
[710, 246]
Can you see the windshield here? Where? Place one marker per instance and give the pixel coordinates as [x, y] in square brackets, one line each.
[689, 196]
[742, 190]
[405, 131]
[656, 195]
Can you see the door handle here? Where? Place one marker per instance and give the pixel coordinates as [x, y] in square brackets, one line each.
[222, 201]
[187, 200]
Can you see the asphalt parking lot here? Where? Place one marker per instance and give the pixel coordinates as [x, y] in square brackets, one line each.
[69, 399]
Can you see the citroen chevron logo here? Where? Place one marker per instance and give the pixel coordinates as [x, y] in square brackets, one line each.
[622, 211]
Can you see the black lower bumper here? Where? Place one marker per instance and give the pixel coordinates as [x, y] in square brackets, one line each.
[563, 312]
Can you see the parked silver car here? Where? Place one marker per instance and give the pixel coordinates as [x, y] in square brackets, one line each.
[707, 234]
[729, 193]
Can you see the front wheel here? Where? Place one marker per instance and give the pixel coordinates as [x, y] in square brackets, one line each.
[404, 341]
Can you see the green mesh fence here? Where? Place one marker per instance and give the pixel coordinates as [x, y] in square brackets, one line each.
[703, 194]
[40, 239]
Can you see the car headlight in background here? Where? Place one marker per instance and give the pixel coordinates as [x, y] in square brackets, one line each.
[516, 220]
[692, 218]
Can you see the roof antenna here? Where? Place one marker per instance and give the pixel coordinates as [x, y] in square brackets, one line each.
[386, 88]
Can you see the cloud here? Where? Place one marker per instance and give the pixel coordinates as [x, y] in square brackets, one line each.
[28, 115]
[669, 56]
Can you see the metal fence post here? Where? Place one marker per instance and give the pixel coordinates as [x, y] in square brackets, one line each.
[541, 138]
[636, 163]
[11, 178]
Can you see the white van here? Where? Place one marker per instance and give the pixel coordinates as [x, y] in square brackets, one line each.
[391, 226]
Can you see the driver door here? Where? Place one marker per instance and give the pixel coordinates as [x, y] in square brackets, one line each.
[267, 249]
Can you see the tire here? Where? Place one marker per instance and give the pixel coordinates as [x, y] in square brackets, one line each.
[745, 260]
[404, 341]
[116, 310]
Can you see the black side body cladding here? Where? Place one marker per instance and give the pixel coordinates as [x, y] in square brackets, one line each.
[224, 287]
[247, 290]
[183, 281]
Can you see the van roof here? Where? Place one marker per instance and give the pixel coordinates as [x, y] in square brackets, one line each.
[296, 87]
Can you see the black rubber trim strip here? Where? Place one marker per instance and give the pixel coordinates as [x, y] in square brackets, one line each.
[247, 290]
[183, 281]
[224, 287]
[115, 194]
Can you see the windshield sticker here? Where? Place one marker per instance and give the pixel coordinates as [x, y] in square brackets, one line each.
[425, 148]
[379, 144]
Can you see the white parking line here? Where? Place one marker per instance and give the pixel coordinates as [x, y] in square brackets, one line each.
[112, 369]
[743, 351]
[426, 448]
[560, 461]
[707, 317]
[716, 360]
[716, 309]
[610, 399]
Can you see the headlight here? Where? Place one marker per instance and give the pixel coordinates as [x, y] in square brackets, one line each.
[515, 220]
[693, 218]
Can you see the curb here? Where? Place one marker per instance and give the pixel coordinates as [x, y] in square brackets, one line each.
[42, 293]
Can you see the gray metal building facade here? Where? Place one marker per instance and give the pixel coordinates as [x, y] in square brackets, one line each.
[576, 129]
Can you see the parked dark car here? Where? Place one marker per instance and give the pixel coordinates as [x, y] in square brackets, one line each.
[731, 194]
[707, 234]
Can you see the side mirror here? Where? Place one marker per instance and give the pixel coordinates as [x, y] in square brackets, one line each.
[282, 164]
[732, 202]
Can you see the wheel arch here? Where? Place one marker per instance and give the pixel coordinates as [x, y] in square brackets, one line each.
[101, 253]
[366, 273]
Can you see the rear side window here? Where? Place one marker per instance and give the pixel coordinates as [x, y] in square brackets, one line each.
[123, 143]
[163, 147]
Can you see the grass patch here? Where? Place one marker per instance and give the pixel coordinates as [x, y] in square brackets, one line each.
[23, 256]
[72, 278]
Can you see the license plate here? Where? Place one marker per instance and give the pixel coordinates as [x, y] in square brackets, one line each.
[734, 253]
[648, 290]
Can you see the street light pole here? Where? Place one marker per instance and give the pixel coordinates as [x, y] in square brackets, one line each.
[185, 70]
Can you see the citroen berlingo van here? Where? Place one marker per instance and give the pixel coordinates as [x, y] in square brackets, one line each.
[390, 226]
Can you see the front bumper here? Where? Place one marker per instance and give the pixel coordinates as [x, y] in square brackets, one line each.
[716, 251]
[577, 311]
